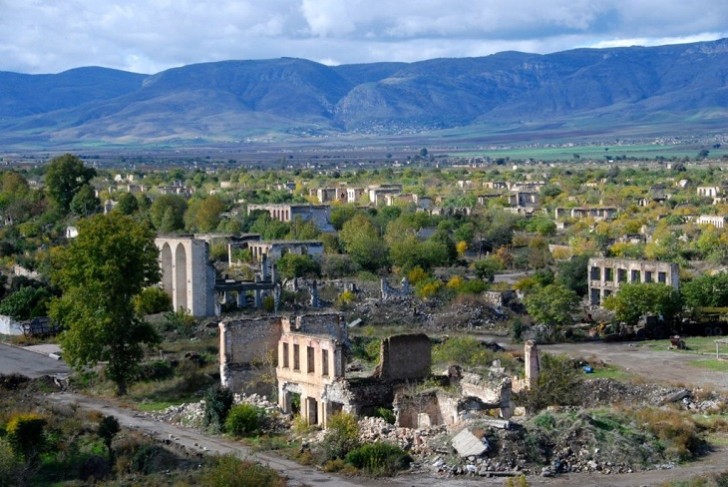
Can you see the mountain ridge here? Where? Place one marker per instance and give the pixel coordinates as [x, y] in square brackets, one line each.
[676, 87]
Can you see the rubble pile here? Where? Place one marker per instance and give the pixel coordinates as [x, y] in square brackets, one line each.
[601, 392]
[414, 441]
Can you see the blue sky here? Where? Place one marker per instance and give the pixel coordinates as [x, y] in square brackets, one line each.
[48, 36]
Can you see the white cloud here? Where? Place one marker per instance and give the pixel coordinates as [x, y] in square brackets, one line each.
[152, 35]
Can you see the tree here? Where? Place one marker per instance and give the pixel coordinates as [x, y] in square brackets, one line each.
[573, 274]
[127, 204]
[296, 265]
[64, 177]
[167, 213]
[552, 304]
[633, 300]
[204, 214]
[706, 291]
[26, 303]
[84, 202]
[362, 241]
[100, 272]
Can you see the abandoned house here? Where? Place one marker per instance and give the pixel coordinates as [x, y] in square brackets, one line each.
[607, 275]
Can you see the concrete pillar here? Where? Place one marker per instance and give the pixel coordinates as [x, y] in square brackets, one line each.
[241, 299]
[258, 300]
[532, 365]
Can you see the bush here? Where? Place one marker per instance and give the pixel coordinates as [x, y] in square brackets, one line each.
[379, 458]
[559, 383]
[386, 414]
[152, 300]
[25, 434]
[156, 370]
[676, 430]
[228, 471]
[218, 401]
[342, 436]
[11, 468]
[243, 420]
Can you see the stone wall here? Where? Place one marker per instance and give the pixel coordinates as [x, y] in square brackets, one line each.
[405, 357]
[244, 342]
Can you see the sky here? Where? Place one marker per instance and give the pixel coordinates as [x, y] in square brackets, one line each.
[149, 36]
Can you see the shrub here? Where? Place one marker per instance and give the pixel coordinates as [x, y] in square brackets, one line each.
[676, 430]
[228, 471]
[559, 383]
[379, 458]
[243, 420]
[218, 401]
[345, 299]
[25, 434]
[342, 436]
[11, 468]
[156, 370]
[152, 300]
[386, 414]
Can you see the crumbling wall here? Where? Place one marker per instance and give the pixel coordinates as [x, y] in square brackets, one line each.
[493, 393]
[244, 342]
[405, 357]
[359, 396]
[330, 324]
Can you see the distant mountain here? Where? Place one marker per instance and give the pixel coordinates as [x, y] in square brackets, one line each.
[596, 91]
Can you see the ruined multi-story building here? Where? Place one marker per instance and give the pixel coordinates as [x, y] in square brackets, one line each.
[311, 378]
[607, 275]
[320, 215]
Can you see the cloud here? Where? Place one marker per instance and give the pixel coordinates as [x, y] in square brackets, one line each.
[152, 35]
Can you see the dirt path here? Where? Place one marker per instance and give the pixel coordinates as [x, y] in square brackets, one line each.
[666, 367]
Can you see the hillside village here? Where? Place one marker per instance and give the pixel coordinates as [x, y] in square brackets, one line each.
[411, 305]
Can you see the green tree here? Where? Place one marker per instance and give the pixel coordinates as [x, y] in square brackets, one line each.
[706, 291]
[363, 243]
[127, 204]
[573, 274]
[64, 177]
[634, 300]
[552, 304]
[26, 303]
[296, 265]
[167, 213]
[84, 202]
[100, 272]
[204, 214]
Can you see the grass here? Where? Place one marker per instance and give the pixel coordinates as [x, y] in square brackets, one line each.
[609, 372]
[710, 364]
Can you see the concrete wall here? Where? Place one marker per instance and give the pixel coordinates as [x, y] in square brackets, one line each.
[8, 326]
[405, 357]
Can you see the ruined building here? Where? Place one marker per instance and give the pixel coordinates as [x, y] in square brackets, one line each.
[607, 275]
[311, 378]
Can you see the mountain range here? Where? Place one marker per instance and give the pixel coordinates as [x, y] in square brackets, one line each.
[664, 90]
